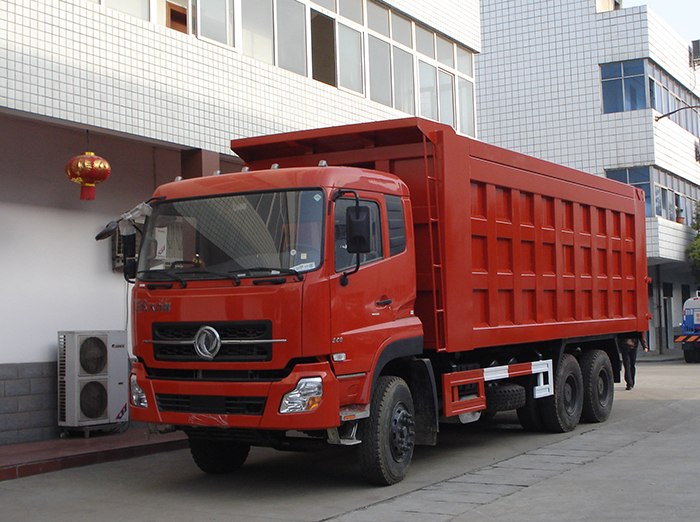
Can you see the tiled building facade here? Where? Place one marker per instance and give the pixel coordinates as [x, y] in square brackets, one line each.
[583, 83]
[159, 88]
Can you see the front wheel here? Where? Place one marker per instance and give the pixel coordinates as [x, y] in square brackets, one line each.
[217, 456]
[388, 435]
[561, 412]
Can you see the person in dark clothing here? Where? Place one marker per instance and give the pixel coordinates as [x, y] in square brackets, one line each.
[628, 349]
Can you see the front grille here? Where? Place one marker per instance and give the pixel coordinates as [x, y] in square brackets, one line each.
[228, 331]
[211, 404]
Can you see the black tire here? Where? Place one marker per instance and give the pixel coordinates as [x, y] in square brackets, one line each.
[217, 457]
[504, 397]
[388, 435]
[529, 415]
[598, 386]
[689, 356]
[561, 412]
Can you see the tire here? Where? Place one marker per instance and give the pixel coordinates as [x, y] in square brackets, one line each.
[388, 435]
[217, 457]
[561, 412]
[689, 356]
[504, 397]
[598, 386]
[529, 415]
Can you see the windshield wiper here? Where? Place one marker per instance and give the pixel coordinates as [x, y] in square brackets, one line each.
[272, 271]
[171, 276]
[229, 274]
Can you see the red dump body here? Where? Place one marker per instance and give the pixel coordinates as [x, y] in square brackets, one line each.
[509, 249]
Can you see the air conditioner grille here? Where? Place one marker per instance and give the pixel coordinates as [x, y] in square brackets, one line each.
[93, 356]
[93, 400]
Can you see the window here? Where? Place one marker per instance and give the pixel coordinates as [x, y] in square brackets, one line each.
[425, 41]
[428, 91]
[322, 48]
[343, 259]
[350, 59]
[256, 19]
[291, 36]
[446, 97]
[378, 18]
[466, 103]
[380, 71]
[397, 226]
[666, 95]
[176, 17]
[638, 177]
[216, 20]
[404, 95]
[401, 30]
[351, 9]
[623, 86]
[138, 8]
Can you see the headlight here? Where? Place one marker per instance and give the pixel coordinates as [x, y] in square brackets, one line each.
[305, 397]
[138, 396]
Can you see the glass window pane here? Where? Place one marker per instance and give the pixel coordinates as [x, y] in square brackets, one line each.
[404, 94]
[350, 59]
[647, 198]
[659, 204]
[612, 96]
[379, 71]
[323, 48]
[351, 9]
[328, 4]
[639, 175]
[378, 18]
[466, 107]
[213, 20]
[428, 91]
[618, 175]
[291, 36]
[611, 70]
[445, 51]
[447, 104]
[465, 61]
[138, 8]
[401, 30]
[633, 68]
[256, 19]
[635, 96]
[424, 42]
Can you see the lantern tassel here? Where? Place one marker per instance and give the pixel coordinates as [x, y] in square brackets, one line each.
[87, 192]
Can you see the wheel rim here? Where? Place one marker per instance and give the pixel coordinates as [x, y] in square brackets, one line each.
[603, 388]
[402, 432]
[570, 395]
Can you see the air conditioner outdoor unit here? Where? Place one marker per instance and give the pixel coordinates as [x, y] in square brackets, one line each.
[93, 379]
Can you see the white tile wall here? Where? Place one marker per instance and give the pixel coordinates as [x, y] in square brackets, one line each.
[458, 19]
[81, 62]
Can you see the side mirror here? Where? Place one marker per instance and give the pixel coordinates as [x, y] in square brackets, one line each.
[357, 219]
[107, 231]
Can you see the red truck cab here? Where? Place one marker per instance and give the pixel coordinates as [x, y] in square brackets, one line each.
[239, 281]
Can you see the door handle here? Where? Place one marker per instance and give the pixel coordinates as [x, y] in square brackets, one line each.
[385, 302]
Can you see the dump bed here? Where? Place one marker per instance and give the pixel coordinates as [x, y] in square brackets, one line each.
[510, 249]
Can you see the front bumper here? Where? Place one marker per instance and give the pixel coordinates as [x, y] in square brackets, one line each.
[252, 405]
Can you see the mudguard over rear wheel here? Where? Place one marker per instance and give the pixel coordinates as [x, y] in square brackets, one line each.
[561, 412]
[388, 435]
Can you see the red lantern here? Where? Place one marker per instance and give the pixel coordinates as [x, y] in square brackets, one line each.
[88, 170]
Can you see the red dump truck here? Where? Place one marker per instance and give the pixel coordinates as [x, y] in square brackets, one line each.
[359, 285]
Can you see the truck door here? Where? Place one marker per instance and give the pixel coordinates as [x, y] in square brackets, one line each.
[372, 294]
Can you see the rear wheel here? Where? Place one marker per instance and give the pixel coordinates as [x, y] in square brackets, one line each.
[561, 412]
[216, 456]
[388, 435]
[598, 386]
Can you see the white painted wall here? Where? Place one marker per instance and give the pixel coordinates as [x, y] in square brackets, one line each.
[55, 277]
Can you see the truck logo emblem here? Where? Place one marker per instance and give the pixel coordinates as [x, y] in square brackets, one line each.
[207, 343]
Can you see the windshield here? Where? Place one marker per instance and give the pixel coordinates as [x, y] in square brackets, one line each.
[234, 236]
